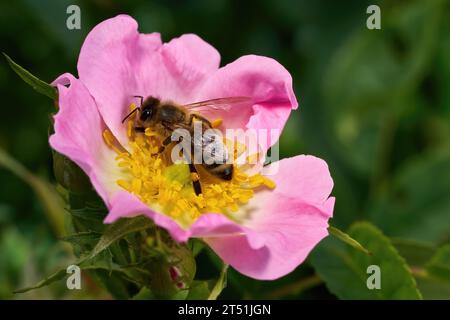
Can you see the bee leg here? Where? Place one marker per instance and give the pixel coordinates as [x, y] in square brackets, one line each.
[195, 179]
[163, 146]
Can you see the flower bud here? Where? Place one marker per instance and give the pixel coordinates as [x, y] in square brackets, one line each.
[172, 272]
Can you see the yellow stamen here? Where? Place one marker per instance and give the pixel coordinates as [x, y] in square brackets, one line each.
[253, 158]
[269, 183]
[168, 187]
[110, 140]
[217, 123]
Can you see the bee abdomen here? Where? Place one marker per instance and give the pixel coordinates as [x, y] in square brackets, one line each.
[222, 171]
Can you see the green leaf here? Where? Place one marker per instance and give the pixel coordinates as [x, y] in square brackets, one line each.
[58, 275]
[49, 198]
[220, 284]
[433, 289]
[419, 257]
[118, 230]
[37, 84]
[416, 253]
[83, 238]
[87, 218]
[83, 241]
[200, 289]
[144, 294]
[104, 264]
[439, 266]
[112, 233]
[344, 269]
[196, 246]
[347, 239]
[432, 269]
[113, 282]
[211, 289]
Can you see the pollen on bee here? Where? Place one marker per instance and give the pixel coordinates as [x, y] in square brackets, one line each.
[150, 133]
[195, 176]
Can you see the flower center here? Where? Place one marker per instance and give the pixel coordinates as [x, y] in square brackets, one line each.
[167, 187]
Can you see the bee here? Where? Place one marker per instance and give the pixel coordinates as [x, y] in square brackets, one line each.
[164, 117]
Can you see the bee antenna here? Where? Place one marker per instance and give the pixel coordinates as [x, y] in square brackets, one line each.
[140, 97]
[130, 114]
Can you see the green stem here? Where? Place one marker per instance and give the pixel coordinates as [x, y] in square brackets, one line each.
[220, 284]
[49, 198]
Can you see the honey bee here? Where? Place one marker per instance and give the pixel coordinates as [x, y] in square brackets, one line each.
[164, 117]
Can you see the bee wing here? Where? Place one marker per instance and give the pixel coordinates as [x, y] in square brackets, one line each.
[223, 104]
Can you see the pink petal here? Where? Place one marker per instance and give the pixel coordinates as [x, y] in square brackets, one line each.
[189, 60]
[283, 226]
[290, 220]
[263, 79]
[303, 177]
[125, 204]
[78, 135]
[116, 62]
[289, 230]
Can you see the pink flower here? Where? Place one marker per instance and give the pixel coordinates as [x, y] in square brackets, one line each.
[281, 225]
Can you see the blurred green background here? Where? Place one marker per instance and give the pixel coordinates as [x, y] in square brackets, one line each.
[375, 104]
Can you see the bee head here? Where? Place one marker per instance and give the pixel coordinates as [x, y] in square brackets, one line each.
[146, 114]
[148, 108]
